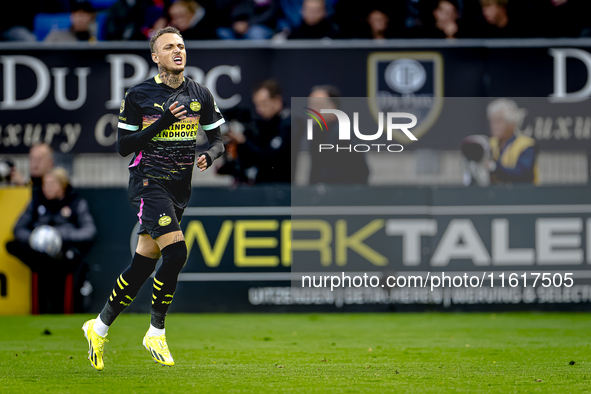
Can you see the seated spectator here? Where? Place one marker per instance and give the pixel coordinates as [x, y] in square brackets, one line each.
[445, 23]
[266, 145]
[315, 22]
[377, 26]
[498, 23]
[372, 19]
[135, 19]
[61, 208]
[513, 158]
[83, 28]
[192, 20]
[250, 19]
[19, 26]
[334, 167]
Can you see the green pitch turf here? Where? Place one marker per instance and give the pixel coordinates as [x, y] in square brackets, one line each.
[291, 353]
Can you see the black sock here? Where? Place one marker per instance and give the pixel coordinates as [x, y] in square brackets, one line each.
[127, 286]
[174, 257]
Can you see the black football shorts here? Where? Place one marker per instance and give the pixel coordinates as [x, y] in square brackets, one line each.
[157, 215]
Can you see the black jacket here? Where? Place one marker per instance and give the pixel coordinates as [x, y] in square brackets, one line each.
[268, 148]
[70, 216]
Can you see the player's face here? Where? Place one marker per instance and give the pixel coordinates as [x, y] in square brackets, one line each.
[170, 53]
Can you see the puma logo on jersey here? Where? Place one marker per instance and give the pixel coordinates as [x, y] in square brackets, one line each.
[160, 106]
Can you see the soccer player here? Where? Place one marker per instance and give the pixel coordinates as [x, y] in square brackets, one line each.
[158, 122]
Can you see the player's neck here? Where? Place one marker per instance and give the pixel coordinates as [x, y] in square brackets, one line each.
[170, 79]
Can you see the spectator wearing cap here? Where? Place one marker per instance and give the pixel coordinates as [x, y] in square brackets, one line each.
[513, 156]
[83, 25]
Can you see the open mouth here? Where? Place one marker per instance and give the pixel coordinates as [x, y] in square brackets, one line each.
[178, 60]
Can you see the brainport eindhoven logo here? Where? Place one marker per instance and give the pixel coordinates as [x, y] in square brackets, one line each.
[390, 122]
[406, 82]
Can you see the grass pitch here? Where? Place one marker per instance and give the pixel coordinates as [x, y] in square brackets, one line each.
[292, 353]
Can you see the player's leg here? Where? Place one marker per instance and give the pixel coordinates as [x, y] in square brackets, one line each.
[127, 283]
[130, 281]
[174, 255]
[126, 287]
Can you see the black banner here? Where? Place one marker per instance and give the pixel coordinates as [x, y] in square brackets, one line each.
[243, 258]
[70, 97]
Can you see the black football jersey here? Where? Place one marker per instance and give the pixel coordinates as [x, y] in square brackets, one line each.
[169, 158]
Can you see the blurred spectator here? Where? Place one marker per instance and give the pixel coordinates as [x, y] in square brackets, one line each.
[330, 166]
[83, 28]
[266, 146]
[19, 26]
[61, 208]
[40, 162]
[236, 120]
[513, 158]
[135, 19]
[498, 24]
[192, 20]
[445, 22]
[372, 19]
[315, 22]
[250, 19]
[378, 24]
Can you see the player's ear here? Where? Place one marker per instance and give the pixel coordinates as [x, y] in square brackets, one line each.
[154, 58]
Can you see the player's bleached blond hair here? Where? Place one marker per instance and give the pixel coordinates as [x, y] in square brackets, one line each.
[508, 108]
[165, 30]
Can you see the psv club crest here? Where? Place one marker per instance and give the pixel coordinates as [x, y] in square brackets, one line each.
[406, 82]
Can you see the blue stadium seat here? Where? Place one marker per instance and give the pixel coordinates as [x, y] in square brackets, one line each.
[43, 23]
[102, 4]
[101, 19]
